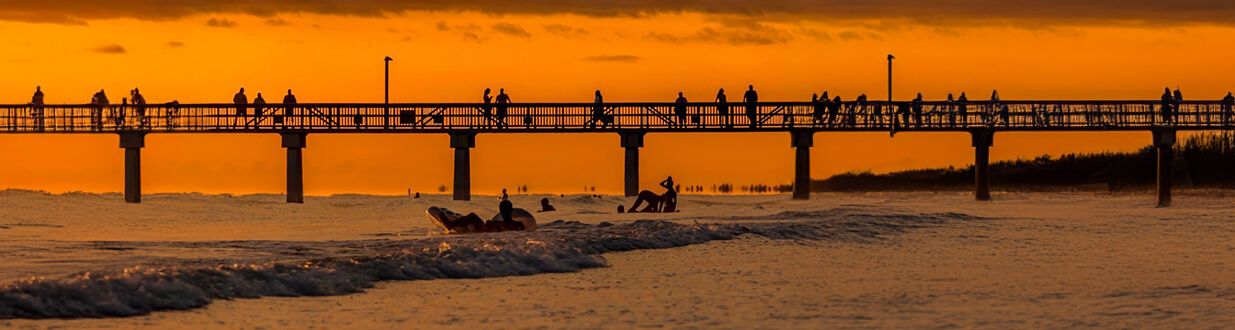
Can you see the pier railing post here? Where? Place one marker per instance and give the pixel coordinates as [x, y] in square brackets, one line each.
[294, 143]
[463, 142]
[982, 142]
[1164, 142]
[632, 141]
[801, 142]
[133, 142]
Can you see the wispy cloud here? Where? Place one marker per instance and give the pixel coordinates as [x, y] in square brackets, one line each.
[565, 31]
[614, 58]
[277, 22]
[110, 49]
[175, 44]
[220, 23]
[763, 35]
[511, 30]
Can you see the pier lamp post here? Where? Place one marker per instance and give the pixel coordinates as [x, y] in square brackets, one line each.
[386, 117]
[890, 58]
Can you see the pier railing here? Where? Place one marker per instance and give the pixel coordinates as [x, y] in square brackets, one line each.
[588, 117]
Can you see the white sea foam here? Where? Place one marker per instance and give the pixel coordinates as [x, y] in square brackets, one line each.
[343, 267]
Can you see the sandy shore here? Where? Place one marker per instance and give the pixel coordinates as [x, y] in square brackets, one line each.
[1038, 260]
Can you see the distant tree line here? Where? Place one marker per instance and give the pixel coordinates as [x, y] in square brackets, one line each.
[1202, 160]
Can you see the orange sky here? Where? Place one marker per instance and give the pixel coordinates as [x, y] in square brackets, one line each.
[453, 56]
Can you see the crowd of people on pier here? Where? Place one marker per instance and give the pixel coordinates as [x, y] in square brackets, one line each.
[828, 111]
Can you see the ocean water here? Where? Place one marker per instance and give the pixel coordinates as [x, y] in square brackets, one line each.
[85, 255]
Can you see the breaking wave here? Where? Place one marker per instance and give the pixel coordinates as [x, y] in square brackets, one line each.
[352, 266]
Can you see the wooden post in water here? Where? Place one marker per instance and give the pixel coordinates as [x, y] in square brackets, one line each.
[1164, 142]
[632, 141]
[982, 141]
[463, 142]
[133, 143]
[801, 142]
[295, 143]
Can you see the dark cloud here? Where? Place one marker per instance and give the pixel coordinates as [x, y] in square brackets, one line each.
[762, 35]
[175, 44]
[511, 30]
[110, 49]
[933, 12]
[614, 58]
[565, 31]
[220, 23]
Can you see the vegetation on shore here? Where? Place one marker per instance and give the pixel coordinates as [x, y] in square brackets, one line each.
[1202, 160]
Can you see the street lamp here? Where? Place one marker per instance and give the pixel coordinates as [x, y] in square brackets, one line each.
[386, 118]
[890, 58]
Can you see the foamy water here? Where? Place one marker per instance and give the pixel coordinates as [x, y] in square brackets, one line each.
[68, 279]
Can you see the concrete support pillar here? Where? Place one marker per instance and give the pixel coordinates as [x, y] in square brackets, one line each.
[463, 142]
[1164, 142]
[133, 144]
[632, 141]
[295, 143]
[802, 141]
[982, 141]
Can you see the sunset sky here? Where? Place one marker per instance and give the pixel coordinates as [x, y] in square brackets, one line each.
[560, 50]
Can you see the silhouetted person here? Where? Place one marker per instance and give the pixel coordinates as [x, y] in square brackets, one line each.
[916, 106]
[817, 109]
[669, 200]
[502, 101]
[545, 206]
[173, 111]
[834, 109]
[951, 110]
[118, 115]
[486, 109]
[289, 103]
[679, 109]
[259, 105]
[1168, 102]
[995, 105]
[36, 103]
[751, 98]
[863, 103]
[1228, 103]
[100, 102]
[962, 108]
[598, 110]
[722, 108]
[1179, 101]
[902, 109]
[139, 104]
[241, 102]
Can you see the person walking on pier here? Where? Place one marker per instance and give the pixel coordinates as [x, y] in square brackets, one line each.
[1179, 101]
[722, 108]
[962, 108]
[289, 102]
[679, 110]
[96, 114]
[751, 99]
[598, 110]
[862, 103]
[1228, 103]
[241, 102]
[826, 102]
[259, 105]
[139, 105]
[951, 108]
[816, 114]
[988, 116]
[486, 109]
[835, 107]
[916, 105]
[36, 104]
[503, 101]
[1167, 103]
